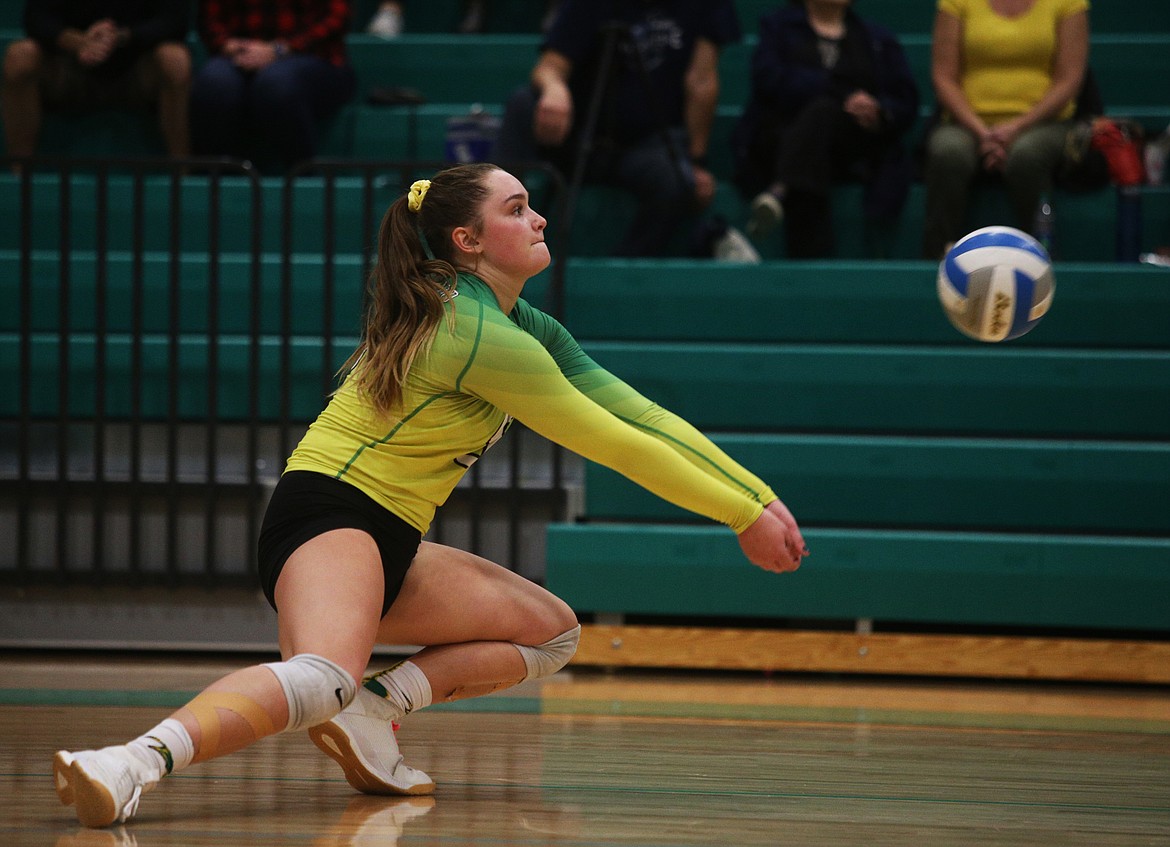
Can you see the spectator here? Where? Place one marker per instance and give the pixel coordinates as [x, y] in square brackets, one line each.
[832, 97]
[654, 127]
[277, 72]
[1006, 74]
[103, 53]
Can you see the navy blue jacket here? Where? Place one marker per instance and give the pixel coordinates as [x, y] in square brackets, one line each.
[786, 75]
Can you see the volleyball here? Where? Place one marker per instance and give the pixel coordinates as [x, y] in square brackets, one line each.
[996, 283]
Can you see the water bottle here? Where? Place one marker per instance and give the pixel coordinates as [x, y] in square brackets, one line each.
[1045, 225]
[1156, 154]
[471, 137]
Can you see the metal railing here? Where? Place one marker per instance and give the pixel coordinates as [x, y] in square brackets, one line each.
[173, 327]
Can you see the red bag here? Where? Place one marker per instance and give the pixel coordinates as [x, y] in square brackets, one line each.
[1120, 142]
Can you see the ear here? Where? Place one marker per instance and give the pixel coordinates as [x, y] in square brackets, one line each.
[465, 241]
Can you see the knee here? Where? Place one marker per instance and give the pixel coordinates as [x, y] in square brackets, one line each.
[217, 78]
[174, 64]
[274, 89]
[22, 61]
[315, 688]
[549, 657]
[951, 150]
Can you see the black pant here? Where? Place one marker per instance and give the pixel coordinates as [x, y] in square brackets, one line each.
[810, 154]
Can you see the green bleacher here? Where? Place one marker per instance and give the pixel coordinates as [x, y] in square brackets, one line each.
[939, 481]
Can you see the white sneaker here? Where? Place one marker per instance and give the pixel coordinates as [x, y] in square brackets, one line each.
[733, 246]
[102, 784]
[387, 22]
[766, 213]
[363, 743]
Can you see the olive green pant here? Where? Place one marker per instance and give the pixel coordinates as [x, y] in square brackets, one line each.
[952, 165]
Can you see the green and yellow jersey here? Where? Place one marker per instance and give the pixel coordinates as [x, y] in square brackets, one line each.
[491, 368]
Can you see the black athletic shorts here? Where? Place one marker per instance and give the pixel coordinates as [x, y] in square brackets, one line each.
[306, 504]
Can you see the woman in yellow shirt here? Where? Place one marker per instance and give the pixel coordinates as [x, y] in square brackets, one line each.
[1006, 74]
[450, 355]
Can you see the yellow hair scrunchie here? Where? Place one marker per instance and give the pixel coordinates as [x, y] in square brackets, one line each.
[418, 190]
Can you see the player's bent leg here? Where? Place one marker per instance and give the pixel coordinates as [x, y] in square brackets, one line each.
[474, 617]
[339, 616]
[363, 741]
[451, 596]
[486, 629]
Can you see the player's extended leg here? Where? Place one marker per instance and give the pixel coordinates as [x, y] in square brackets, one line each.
[483, 628]
[329, 596]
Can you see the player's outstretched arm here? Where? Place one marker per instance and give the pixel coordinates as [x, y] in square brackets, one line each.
[774, 541]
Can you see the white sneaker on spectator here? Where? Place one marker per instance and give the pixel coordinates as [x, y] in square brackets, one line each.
[105, 784]
[767, 212]
[362, 741]
[733, 246]
[387, 23]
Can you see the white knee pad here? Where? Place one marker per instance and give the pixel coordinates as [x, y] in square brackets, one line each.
[548, 658]
[316, 689]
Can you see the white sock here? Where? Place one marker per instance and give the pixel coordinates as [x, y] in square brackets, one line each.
[404, 688]
[165, 749]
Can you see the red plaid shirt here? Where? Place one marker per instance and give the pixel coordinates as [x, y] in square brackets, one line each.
[315, 27]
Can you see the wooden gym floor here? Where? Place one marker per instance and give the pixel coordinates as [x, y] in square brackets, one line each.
[592, 759]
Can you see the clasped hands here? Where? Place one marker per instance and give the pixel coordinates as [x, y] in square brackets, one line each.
[250, 54]
[99, 42]
[865, 109]
[994, 143]
[774, 542]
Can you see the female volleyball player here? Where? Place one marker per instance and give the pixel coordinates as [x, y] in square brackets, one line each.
[450, 355]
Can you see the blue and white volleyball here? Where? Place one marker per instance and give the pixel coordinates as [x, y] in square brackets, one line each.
[996, 283]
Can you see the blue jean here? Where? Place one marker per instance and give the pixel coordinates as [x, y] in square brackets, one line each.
[656, 170]
[273, 116]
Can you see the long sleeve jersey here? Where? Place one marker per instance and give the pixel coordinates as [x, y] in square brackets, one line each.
[490, 368]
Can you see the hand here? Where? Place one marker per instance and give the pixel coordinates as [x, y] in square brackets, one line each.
[253, 55]
[865, 109]
[992, 152]
[995, 143]
[100, 41]
[774, 542]
[705, 186]
[1007, 132]
[553, 117]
